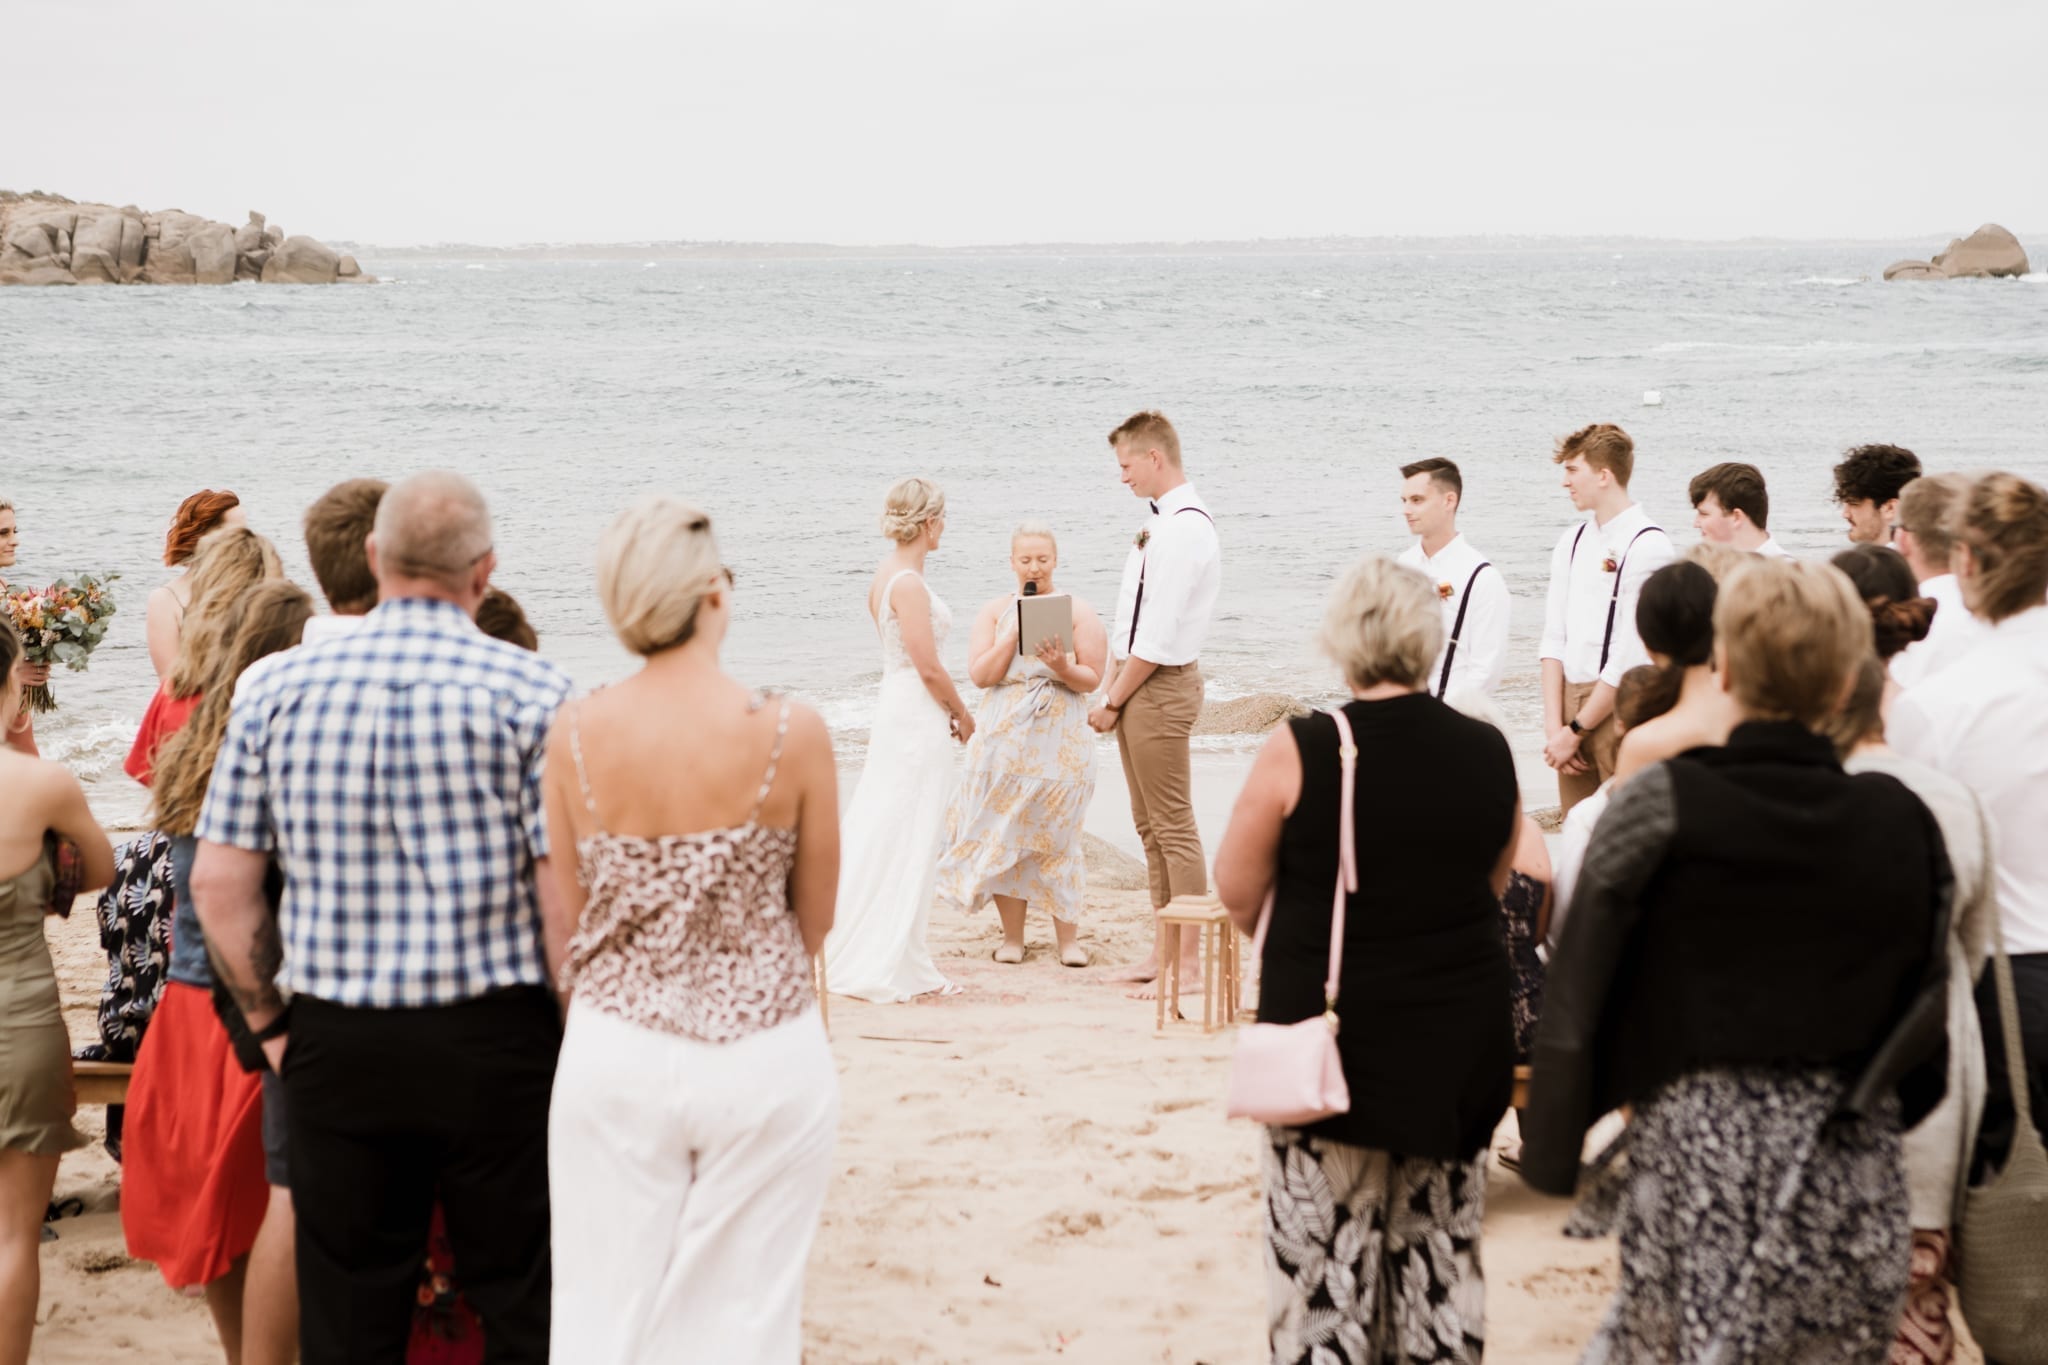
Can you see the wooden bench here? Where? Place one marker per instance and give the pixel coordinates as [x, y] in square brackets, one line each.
[102, 1082]
[1521, 1100]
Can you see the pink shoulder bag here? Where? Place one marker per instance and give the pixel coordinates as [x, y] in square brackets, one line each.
[1290, 1074]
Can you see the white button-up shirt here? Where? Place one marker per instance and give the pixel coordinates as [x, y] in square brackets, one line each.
[1581, 589]
[1178, 559]
[1986, 725]
[1772, 549]
[1952, 634]
[1482, 654]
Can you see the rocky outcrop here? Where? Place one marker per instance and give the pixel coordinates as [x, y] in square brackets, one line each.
[1987, 252]
[48, 239]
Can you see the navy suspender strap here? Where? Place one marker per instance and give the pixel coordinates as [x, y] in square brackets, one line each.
[1614, 598]
[1138, 602]
[1443, 684]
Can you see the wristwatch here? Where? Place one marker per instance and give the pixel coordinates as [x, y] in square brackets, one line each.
[1576, 728]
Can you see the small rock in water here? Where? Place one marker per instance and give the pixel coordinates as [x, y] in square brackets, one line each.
[1652, 398]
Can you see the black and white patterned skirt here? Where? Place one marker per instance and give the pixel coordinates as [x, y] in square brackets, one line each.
[1371, 1258]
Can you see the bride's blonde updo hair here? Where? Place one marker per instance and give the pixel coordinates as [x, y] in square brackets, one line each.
[911, 503]
[655, 566]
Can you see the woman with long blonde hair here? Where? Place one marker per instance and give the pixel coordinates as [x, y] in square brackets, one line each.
[194, 1190]
[228, 562]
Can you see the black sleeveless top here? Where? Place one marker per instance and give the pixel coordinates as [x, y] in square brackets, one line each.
[1427, 1041]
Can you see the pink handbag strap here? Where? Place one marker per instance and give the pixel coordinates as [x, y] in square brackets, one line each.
[1347, 862]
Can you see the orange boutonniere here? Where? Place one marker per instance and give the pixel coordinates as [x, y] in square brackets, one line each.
[1144, 539]
[1608, 565]
[1446, 591]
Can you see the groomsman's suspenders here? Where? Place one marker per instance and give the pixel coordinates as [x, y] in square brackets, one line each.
[1138, 603]
[1443, 684]
[1614, 598]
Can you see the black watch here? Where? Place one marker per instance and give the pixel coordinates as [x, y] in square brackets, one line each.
[1576, 728]
[276, 1028]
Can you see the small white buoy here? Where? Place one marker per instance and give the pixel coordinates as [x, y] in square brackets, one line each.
[1652, 398]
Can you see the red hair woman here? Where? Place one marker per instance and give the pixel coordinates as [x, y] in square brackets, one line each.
[197, 517]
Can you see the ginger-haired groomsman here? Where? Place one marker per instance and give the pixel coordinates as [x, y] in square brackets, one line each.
[1589, 623]
[1473, 594]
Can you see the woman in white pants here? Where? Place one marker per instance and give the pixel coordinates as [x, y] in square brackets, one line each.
[696, 1101]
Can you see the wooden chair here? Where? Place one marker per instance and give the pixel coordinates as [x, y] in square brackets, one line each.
[1222, 975]
[102, 1082]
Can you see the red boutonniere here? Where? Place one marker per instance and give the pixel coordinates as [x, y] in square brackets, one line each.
[1144, 539]
[1608, 565]
[1446, 591]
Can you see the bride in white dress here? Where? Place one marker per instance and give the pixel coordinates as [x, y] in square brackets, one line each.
[892, 829]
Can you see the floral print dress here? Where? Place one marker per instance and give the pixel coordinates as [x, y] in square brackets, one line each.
[1014, 826]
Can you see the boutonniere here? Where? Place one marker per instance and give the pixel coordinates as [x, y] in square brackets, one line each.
[1446, 591]
[1144, 539]
[1608, 565]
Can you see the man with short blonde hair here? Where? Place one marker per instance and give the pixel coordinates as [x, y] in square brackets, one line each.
[1921, 533]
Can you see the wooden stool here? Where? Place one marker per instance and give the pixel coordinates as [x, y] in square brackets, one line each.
[101, 1082]
[1222, 982]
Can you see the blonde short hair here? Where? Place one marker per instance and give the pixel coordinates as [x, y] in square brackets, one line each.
[1148, 430]
[1034, 527]
[1790, 637]
[656, 563]
[911, 503]
[1383, 624]
[1718, 560]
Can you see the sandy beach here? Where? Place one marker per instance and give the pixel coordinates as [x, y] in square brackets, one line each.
[1024, 1171]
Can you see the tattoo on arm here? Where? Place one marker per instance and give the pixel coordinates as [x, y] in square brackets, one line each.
[266, 960]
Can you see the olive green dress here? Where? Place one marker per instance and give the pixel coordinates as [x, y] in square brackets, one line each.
[35, 1051]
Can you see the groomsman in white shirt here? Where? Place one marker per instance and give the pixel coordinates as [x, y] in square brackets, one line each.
[1730, 506]
[1589, 621]
[1154, 693]
[1867, 486]
[1471, 589]
[1922, 535]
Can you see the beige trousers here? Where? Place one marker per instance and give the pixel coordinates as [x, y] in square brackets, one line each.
[1152, 735]
[1597, 746]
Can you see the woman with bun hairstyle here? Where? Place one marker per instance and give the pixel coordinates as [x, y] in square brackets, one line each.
[1675, 617]
[897, 818]
[197, 517]
[1899, 615]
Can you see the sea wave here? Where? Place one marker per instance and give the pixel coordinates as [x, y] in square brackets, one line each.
[1836, 281]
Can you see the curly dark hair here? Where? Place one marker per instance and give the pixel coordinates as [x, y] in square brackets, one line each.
[1875, 473]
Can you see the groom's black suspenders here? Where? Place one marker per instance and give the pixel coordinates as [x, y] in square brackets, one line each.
[1138, 604]
[1443, 684]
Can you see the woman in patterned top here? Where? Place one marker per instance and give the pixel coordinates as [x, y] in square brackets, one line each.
[696, 1101]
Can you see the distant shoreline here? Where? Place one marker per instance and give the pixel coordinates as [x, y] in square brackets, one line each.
[1274, 247]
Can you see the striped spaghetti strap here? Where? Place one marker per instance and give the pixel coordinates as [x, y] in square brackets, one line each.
[774, 758]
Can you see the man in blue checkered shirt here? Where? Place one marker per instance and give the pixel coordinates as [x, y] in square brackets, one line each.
[395, 774]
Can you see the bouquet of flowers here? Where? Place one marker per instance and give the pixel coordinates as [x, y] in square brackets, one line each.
[61, 624]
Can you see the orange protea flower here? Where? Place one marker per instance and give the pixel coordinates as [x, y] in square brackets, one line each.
[1446, 591]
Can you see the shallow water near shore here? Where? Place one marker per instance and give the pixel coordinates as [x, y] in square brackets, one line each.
[784, 396]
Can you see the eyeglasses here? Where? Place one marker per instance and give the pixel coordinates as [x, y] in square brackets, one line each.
[726, 573]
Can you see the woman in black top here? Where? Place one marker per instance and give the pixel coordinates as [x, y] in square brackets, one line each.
[1372, 1217]
[1755, 959]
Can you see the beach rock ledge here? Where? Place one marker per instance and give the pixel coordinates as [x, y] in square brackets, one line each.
[1989, 251]
[48, 239]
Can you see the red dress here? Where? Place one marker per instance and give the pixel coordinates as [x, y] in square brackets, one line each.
[165, 717]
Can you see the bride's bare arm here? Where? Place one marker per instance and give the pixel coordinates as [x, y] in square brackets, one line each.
[913, 607]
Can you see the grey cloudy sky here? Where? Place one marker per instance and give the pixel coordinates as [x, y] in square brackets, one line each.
[863, 121]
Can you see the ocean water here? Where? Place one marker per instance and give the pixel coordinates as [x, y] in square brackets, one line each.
[784, 397]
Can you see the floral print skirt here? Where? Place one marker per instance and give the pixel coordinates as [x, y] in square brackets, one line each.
[1371, 1258]
[1755, 1227]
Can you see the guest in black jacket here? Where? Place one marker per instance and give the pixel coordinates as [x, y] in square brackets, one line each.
[1754, 960]
[1373, 1216]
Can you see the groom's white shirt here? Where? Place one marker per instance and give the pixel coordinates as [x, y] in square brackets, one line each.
[1181, 565]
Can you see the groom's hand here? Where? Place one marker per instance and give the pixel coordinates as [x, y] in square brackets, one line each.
[1103, 719]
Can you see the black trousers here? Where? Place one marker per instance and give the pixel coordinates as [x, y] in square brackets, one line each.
[2030, 986]
[390, 1109]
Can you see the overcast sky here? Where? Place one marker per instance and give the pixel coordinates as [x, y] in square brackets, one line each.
[984, 121]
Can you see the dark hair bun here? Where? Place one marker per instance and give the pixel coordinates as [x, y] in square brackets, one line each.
[1898, 624]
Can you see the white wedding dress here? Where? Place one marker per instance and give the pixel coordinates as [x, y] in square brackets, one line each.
[890, 833]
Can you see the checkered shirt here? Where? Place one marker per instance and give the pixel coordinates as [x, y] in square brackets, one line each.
[396, 773]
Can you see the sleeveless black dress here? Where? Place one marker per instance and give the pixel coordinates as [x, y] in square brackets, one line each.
[1427, 1040]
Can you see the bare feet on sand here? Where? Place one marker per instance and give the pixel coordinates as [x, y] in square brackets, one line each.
[1010, 954]
[1190, 981]
[1148, 970]
[1073, 955]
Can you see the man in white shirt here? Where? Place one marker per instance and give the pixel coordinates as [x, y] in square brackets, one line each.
[337, 528]
[1153, 695]
[1473, 593]
[1589, 621]
[1928, 545]
[1985, 723]
[1731, 506]
[1867, 484]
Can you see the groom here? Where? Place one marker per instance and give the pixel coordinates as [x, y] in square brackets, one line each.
[1154, 692]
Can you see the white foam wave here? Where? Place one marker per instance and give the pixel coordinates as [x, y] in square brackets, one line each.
[2035, 277]
[1836, 281]
[93, 752]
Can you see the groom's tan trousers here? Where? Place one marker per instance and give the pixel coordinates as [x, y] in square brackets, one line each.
[1152, 735]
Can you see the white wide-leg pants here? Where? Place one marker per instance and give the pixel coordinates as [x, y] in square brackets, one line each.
[686, 1180]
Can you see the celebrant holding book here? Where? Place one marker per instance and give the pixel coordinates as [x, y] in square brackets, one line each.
[1013, 832]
